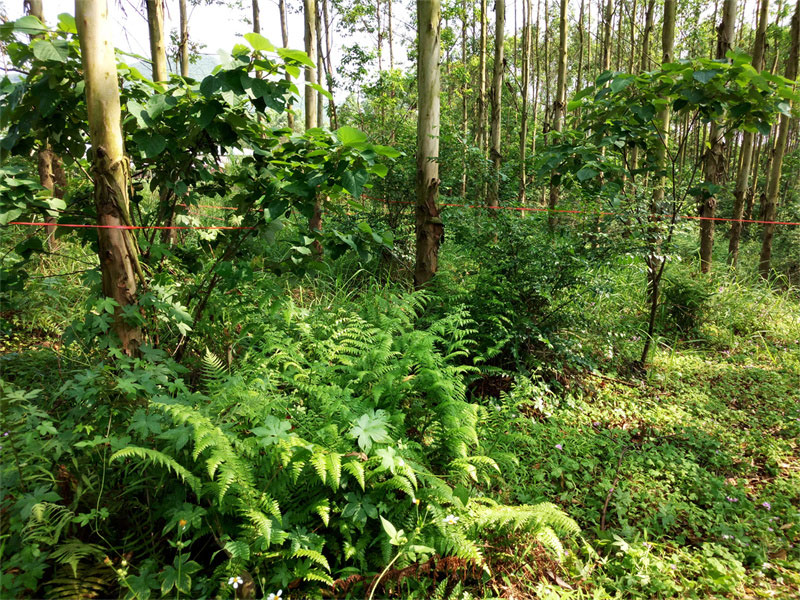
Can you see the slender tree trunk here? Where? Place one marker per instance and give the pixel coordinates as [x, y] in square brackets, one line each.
[644, 64]
[329, 70]
[429, 229]
[390, 27]
[380, 34]
[320, 69]
[47, 161]
[184, 43]
[464, 83]
[743, 174]
[482, 82]
[751, 190]
[655, 261]
[771, 205]
[158, 50]
[117, 249]
[285, 40]
[256, 17]
[607, 19]
[579, 74]
[310, 17]
[560, 102]
[523, 130]
[497, 100]
[632, 55]
[715, 165]
[536, 86]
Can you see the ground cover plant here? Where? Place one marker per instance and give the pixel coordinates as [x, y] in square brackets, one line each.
[248, 357]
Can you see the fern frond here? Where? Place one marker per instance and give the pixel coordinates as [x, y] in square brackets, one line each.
[160, 459]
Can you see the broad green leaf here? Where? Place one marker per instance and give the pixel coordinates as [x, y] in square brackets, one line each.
[296, 55]
[387, 151]
[379, 169]
[152, 144]
[259, 42]
[66, 23]
[620, 83]
[350, 136]
[586, 173]
[29, 25]
[46, 51]
[705, 75]
[354, 182]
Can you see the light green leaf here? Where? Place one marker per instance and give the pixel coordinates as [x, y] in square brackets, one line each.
[259, 42]
[46, 51]
[350, 136]
[296, 55]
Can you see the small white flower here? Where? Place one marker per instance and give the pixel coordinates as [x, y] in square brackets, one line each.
[235, 581]
[275, 596]
[415, 501]
[450, 520]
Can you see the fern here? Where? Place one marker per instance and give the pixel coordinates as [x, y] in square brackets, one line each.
[160, 459]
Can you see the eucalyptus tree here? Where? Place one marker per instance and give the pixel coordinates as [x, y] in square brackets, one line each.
[715, 163]
[158, 49]
[118, 252]
[771, 199]
[497, 100]
[429, 229]
[748, 143]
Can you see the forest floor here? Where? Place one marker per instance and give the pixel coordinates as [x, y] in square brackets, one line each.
[687, 482]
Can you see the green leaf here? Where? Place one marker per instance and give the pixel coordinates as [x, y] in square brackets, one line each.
[620, 83]
[586, 173]
[380, 170]
[371, 428]
[29, 25]
[296, 55]
[321, 90]
[350, 136]
[388, 528]
[259, 42]
[46, 51]
[152, 144]
[386, 151]
[274, 430]
[705, 75]
[354, 182]
[66, 23]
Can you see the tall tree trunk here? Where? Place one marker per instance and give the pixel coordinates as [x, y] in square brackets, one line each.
[607, 19]
[117, 251]
[536, 86]
[523, 130]
[482, 82]
[285, 40]
[644, 64]
[560, 102]
[184, 43]
[497, 100]
[329, 67]
[310, 17]
[632, 55]
[579, 74]
[320, 69]
[158, 50]
[464, 83]
[256, 17]
[429, 228]
[743, 174]
[771, 205]
[715, 166]
[390, 27]
[380, 34]
[48, 162]
[655, 261]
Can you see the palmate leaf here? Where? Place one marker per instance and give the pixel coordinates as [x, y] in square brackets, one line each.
[371, 428]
